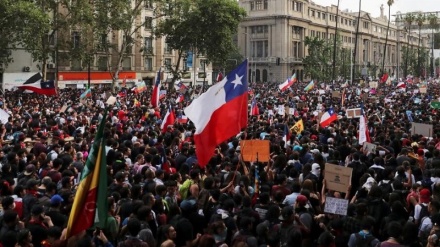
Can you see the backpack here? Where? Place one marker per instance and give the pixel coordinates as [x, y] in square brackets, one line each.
[184, 189]
[386, 187]
[423, 212]
[362, 241]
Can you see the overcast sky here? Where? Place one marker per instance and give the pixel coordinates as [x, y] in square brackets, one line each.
[373, 6]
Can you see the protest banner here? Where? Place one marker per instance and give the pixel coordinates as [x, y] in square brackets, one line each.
[253, 150]
[336, 94]
[353, 113]
[369, 147]
[337, 178]
[422, 129]
[422, 90]
[336, 206]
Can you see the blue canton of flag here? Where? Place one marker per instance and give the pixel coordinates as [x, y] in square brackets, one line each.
[409, 115]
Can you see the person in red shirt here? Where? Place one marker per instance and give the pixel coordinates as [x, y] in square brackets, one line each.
[122, 113]
[8, 203]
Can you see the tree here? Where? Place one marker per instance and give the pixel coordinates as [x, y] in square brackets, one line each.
[389, 2]
[420, 19]
[202, 26]
[317, 64]
[409, 19]
[409, 56]
[434, 25]
[21, 22]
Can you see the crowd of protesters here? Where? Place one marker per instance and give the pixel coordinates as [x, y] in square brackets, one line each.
[394, 196]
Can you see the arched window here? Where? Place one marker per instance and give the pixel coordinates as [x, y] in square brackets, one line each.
[264, 75]
[258, 77]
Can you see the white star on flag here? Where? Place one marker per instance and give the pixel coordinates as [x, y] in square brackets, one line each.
[237, 81]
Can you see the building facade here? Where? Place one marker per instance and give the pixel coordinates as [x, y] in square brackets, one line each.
[277, 29]
[141, 61]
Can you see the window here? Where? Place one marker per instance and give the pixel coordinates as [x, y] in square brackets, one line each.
[202, 63]
[167, 49]
[323, 16]
[318, 34]
[366, 25]
[102, 63]
[260, 5]
[297, 6]
[148, 45]
[76, 38]
[296, 50]
[259, 29]
[167, 63]
[148, 4]
[312, 33]
[149, 64]
[129, 44]
[252, 5]
[318, 14]
[126, 63]
[342, 20]
[102, 42]
[260, 48]
[375, 28]
[148, 24]
[313, 13]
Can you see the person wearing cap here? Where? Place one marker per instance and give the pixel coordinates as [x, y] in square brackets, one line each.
[29, 173]
[421, 209]
[54, 213]
[31, 196]
[38, 225]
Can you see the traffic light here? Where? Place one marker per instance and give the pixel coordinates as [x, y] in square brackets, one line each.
[278, 61]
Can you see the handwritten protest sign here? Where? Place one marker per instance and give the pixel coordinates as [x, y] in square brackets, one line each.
[337, 178]
[336, 206]
[369, 147]
[253, 150]
[353, 113]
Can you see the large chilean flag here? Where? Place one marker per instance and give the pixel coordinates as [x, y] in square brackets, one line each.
[156, 89]
[219, 113]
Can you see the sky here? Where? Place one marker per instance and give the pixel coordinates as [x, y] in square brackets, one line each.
[373, 6]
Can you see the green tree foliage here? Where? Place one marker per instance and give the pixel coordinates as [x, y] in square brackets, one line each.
[204, 26]
[317, 64]
[22, 22]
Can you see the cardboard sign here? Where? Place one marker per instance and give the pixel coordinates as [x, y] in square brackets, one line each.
[336, 206]
[253, 150]
[422, 90]
[422, 129]
[301, 105]
[373, 84]
[353, 113]
[64, 108]
[369, 147]
[336, 94]
[338, 178]
[281, 110]
[291, 111]
[4, 116]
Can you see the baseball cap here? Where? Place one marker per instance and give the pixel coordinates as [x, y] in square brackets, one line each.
[302, 200]
[31, 183]
[425, 196]
[187, 205]
[286, 212]
[56, 200]
[29, 170]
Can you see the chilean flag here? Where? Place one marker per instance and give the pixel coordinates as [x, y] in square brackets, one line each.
[289, 82]
[182, 119]
[286, 136]
[156, 89]
[384, 78]
[35, 84]
[168, 120]
[179, 86]
[226, 100]
[180, 98]
[254, 108]
[219, 77]
[401, 85]
[328, 117]
[364, 133]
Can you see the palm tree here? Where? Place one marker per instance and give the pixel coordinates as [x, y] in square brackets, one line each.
[409, 19]
[390, 2]
[420, 19]
[434, 25]
[334, 43]
[356, 40]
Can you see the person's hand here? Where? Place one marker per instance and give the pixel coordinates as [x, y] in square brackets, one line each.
[118, 219]
[20, 225]
[47, 219]
[198, 235]
[101, 236]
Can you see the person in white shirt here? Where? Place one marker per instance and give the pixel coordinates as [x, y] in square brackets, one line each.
[424, 199]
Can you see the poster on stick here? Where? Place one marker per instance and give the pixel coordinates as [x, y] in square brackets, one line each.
[253, 150]
[337, 178]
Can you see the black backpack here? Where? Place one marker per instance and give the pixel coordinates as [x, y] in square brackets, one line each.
[423, 212]
[364, 241]
[386, 187]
